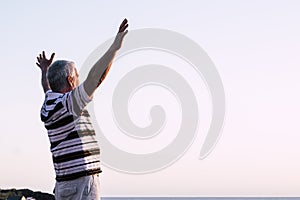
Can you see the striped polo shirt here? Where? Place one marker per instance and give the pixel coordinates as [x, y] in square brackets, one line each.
[74, 147]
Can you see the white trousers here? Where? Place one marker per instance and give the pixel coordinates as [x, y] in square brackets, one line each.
[84, 188]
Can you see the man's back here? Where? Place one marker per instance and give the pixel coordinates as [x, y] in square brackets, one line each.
[74, 147]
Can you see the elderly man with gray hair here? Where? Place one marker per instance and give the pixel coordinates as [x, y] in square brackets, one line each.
[75, 151]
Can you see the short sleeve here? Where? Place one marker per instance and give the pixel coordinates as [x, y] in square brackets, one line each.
[77, 99]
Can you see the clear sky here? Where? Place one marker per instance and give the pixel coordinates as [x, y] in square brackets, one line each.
[255, 46]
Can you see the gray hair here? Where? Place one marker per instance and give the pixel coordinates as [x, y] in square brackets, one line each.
[58, 73]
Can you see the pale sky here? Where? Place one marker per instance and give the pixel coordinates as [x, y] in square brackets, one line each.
[254, 46]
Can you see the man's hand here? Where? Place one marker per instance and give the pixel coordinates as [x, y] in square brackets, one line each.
[120, 36]
[43, 63]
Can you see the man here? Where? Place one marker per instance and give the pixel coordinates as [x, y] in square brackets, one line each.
[74, 148]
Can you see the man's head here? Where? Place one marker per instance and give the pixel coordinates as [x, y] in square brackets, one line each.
[62, 76]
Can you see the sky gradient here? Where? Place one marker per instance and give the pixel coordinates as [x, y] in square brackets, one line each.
[254, 46]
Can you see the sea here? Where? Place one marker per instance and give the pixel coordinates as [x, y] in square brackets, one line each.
[200, 198]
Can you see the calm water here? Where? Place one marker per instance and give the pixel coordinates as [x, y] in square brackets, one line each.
[201, 198]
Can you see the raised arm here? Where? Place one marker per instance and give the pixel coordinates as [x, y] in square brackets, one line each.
[99, 71]
[43, 63]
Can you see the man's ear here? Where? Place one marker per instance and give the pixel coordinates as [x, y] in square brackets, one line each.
[71, 81]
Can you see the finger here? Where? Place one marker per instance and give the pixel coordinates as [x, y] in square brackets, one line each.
[38, 64]
[52, 56]
[123, 28]
[123, 24]
[38, 59]
[44, 56]
[41, 56]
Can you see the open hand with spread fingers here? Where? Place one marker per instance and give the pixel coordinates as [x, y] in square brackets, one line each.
[42, 62]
